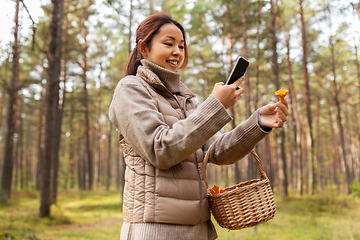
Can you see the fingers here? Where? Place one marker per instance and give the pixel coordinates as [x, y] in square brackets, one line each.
[274, 115]
[238, 90]
[268, 109]
[282, 112]
[228, 95]
[282, 117]
[285, 102]
[283, 107]
[237, 83]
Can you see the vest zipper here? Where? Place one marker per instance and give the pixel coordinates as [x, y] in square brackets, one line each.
[200, 187]
[197, 164]
[177, 101]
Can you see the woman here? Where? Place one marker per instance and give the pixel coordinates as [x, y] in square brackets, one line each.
[164, 134]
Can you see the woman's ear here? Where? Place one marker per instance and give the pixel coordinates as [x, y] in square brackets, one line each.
[143, 50]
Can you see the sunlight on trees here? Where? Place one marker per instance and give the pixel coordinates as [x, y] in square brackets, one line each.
[308, 47]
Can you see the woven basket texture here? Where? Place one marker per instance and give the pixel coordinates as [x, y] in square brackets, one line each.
[246, 204]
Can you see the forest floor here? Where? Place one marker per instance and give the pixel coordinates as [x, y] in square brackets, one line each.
[97, 215]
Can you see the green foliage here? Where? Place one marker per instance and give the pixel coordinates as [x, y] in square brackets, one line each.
[97, 215]
[77, 215]
[355, 189]
[207, 24]
[301, 218]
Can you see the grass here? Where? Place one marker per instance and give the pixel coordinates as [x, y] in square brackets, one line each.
[77, 215]
[97, 215]
[322, 217]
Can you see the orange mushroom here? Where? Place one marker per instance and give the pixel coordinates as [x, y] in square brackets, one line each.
[215, 190]
[281, 93]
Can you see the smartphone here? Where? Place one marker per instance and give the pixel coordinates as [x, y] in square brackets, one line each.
[238, 70]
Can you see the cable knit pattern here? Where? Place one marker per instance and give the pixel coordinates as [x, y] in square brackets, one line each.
[170, 79]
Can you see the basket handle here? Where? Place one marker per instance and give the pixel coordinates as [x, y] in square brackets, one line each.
[260, 165]
[206, 159]
[256, 157]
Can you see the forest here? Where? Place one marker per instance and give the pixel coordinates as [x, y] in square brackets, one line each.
[58, 76]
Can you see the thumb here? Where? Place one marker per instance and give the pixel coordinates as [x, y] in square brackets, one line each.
[273, 106]
[268, 108]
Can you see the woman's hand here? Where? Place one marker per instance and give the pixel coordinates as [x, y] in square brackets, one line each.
[274, 115]
[228, 95]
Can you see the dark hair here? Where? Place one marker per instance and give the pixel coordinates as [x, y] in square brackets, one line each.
[145, 32]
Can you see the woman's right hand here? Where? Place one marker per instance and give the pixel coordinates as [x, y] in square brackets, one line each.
[228, 95]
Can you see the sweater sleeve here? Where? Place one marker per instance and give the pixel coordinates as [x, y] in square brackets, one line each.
[135, 114]
[230, 147]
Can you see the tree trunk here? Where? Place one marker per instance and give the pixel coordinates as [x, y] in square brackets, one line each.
[130, 32]
[64, 61]
[87, 150]
[252, 167]
[321, 166]
[109, 157]
[28, 157]
[57, 119]
[20, 144]
[232, 110]
[282, 158]
[357, 64]
[267, 149]
[347, 138]
[7, 170]
[98, 132]
[257, 59]
[52, 95]
[338, 118]
[110, 129]
[3, 90]
[335, 153]
[59, 104]
[295, 115]
[257, 63]
[72, 164]
[40, 139]
[80, 160]
[312, 172]
[16, 147]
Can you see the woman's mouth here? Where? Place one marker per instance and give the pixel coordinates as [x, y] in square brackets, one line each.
[172, 63]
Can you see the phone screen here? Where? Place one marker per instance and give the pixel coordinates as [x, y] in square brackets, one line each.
[238, 70]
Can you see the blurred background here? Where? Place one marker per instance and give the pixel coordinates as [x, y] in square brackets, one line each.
[60, 61]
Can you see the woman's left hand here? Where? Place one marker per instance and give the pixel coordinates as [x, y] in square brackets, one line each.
[274, 115]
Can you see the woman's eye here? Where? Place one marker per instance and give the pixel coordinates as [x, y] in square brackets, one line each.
[169, 44]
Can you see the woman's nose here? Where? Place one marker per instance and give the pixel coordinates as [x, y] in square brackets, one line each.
[176, 51]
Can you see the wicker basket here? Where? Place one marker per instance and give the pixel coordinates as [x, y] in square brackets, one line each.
[244, 205]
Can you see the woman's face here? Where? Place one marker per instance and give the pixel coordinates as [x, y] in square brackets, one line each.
[167, 47]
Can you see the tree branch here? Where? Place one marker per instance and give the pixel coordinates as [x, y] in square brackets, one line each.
[33, 26]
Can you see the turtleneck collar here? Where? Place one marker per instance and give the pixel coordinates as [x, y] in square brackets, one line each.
[170, 79]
